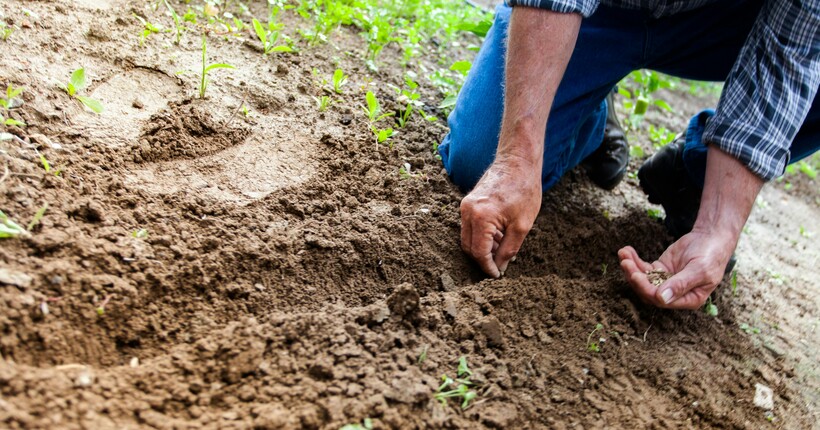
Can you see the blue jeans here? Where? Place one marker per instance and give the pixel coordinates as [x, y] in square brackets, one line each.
[700, 44]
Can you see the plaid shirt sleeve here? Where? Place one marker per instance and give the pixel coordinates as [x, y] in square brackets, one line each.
[771, 87]
[584, 7]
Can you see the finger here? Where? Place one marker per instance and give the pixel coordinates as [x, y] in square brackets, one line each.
[510, 245]
[629, 252]
[481, 247]
[639, 282]
[495, 246]
[675, 292]
[498, 236]
[466, 230]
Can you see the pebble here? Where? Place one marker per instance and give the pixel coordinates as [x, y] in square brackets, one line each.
[13, 277]
[764, 397]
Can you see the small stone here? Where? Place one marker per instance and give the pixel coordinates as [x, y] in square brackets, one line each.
[135, 362]
[137, 104]
[84, 379]
[259, 287]
[447, 282]
[450, 307]
[764, 397]
[492, 330]
[13, 277]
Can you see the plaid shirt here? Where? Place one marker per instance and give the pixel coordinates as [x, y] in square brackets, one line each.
[771, 87]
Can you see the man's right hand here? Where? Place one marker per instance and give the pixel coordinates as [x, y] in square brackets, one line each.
[497, 215]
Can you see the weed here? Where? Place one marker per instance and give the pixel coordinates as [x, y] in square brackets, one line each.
[37, 217]
[323, 102]
[203, 84]
[462, 386]
[9, 228]
[76, 83]
[269, 35]
[594, 346]
[710, 308]
[339, 79]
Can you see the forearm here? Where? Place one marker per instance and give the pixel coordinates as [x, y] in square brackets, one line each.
[540, 44]
[728, 195]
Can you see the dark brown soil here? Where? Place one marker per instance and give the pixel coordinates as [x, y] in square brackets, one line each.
[291, 278]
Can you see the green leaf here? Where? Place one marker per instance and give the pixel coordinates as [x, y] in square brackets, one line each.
[218, 66]
[462, 67]
[12, 121]
[70, 89]
[9, 228]
[448, 102]
[635, 151]
[664, 105]
[12, 92]
[37, 217]
[624, 92]
[281, 48]
[463, 369]
[260, 32]
[480, 28]
[90, 103]
[45, 163]
[372, 104]
[77, 81]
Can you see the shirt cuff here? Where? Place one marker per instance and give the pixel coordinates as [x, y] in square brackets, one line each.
[744, 142]
[583, 7]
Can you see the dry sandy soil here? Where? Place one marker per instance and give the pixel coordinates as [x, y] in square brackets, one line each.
[292, 278]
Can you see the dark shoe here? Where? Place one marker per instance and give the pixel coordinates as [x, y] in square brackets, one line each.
[607, 165]
[666, 182]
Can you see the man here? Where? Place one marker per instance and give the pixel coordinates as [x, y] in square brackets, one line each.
[558, 60]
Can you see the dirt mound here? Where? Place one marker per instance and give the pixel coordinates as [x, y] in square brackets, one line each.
[198, 267]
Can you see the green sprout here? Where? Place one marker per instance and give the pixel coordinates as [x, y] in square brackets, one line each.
[148, 29]
[374, 109]
[382, 134]
[710, 308]
[77, 83]
[139, 234]
[203, 84]
[268, 36]
[594, 346]
[462, 386]
[7, 103]
[654, 213]
[749, 329]
[37, 217]
[178, 25]
[323, 102]
[9, 228]
[5, 31]
[734, 282]
[423, 355]
[339, 79]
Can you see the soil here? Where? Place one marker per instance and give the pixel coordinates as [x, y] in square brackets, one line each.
[292, 278]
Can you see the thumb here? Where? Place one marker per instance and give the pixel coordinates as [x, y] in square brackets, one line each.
[680, 291]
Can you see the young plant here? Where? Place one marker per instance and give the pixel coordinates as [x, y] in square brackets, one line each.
[5, 31]
[148, 29]
[139, 233]
[9, 228]
[462, 386]
[323, 102]
[203, 83]
[382, 134]
[178, 26]
[367, 424]
[268, 35]
[37, 217]
[374, 109]
[77, 83]
[594, 346]
[7, 102]
[339, 79]
[710, 308]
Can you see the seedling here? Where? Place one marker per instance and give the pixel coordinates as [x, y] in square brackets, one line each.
[604, 266]
[148, 29]
[203, 83]
[339, 79]
[139, 234]
[101, 308]
[594, 346]
[268, 35]
[382, 134]
[805, 233]
[635, 151]
[323, 102]
[749, 329]
[462, 386]
[660, 136]
[5, 31]
[77, 83]
[373, 109]
[37, 217]
[9, 228]
[178, 25]
[12, 92]
[710, 308]
[655, 214]
[734, 283]
[423, 355]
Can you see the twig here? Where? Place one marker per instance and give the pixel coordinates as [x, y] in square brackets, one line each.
[647, 331]
[242, 103]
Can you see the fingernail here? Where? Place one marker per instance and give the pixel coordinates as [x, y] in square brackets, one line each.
[666, 295]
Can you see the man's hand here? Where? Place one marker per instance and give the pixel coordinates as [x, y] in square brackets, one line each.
[499, 212]
[697, 260]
